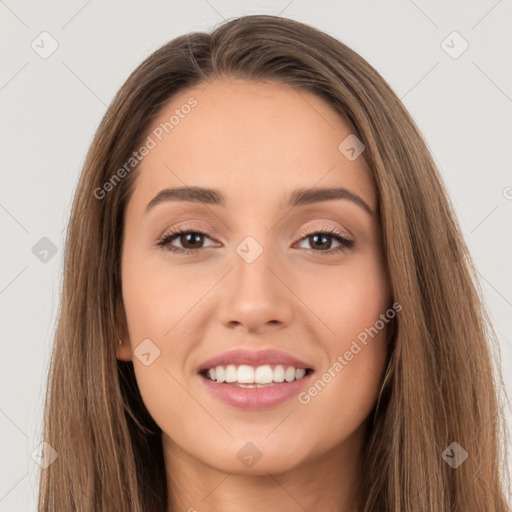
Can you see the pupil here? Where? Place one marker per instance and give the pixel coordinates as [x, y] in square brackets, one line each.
[323, 241]
[190, 237]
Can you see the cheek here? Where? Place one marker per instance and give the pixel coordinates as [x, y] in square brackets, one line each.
[153, 313]
[159, 304]
[356, 308]
[348, 298]
[156, 296]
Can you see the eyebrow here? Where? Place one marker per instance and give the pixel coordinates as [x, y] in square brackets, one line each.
[299, 197]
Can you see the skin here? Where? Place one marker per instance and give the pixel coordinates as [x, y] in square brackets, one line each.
[256, 143]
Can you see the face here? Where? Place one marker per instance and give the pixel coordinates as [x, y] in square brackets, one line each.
[262, 278]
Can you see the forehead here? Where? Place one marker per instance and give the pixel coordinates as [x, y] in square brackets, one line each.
[253, 140]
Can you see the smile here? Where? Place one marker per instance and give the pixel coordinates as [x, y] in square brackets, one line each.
[254, 377]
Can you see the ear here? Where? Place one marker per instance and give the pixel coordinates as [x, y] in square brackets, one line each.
[124, 349]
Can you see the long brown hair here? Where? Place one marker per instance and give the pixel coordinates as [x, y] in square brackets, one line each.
[442, 380]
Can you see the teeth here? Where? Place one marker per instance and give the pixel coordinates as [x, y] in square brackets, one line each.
[263, 375]
[299, 373]
[247, 376]
[278, 374]
[289, 374]
[231, 373]
[220, 374]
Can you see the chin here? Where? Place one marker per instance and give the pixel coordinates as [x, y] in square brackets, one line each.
[254, 456]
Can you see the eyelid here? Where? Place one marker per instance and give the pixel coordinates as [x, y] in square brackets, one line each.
[309, 230]
[185, 227]
[327, 228]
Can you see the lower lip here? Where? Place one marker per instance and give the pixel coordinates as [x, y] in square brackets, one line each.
[255, 398]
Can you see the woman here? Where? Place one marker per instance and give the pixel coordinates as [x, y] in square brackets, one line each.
[267, 300]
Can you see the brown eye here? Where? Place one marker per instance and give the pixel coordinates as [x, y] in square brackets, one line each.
[191, 240]
[321, 241]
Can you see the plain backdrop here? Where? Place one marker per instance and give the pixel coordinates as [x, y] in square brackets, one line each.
[51, 105]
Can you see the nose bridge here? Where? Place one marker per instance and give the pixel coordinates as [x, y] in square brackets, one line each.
[253, 277]
[256, 297]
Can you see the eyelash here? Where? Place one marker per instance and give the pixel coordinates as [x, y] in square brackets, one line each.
[345, 243]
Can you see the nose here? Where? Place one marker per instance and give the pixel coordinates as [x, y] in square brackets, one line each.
[256, 296]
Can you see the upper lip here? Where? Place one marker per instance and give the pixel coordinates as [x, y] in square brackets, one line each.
[254, 358]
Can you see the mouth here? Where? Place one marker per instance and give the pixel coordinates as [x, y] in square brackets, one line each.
[254, 388]
[252, 380]
[255, 377]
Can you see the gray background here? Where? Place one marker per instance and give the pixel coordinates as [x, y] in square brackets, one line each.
[50, 108]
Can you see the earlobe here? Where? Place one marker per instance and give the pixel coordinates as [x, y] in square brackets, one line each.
[123, 351]
[123, 341]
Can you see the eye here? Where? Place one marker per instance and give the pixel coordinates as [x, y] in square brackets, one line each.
[191, 240]
[319, 239]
